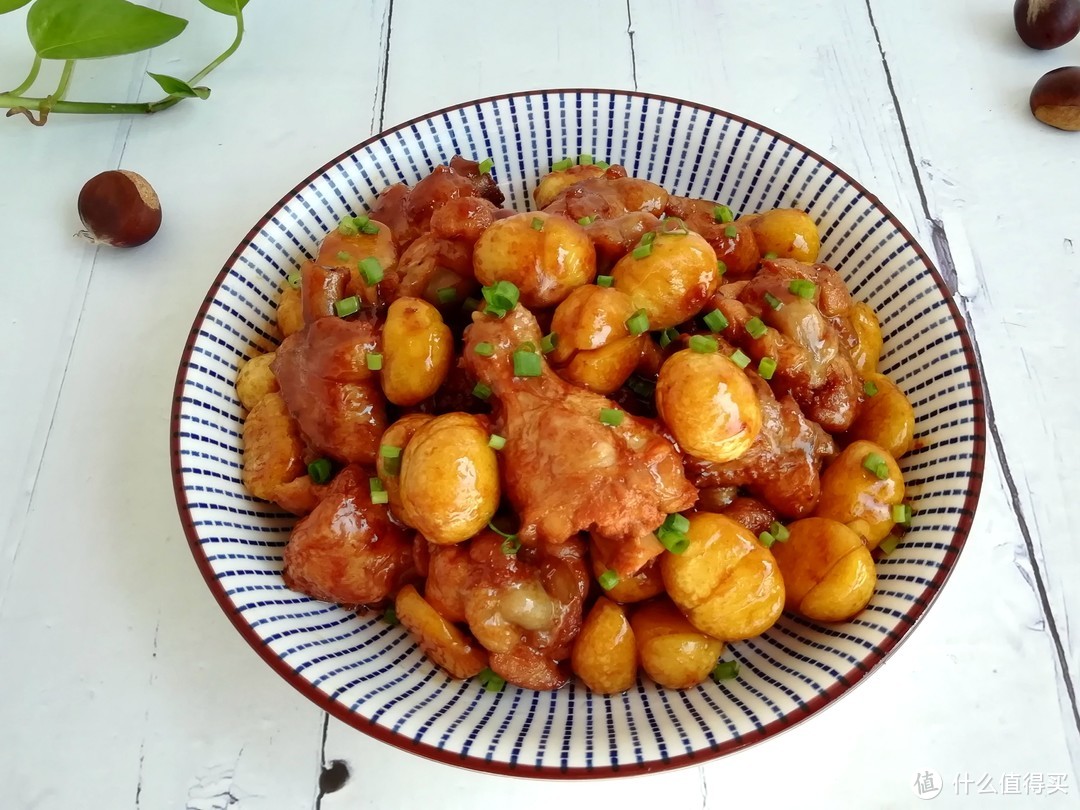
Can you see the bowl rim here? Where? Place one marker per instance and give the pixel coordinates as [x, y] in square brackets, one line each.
[865, 666]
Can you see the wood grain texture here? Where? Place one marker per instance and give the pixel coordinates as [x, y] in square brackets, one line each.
[123, 685]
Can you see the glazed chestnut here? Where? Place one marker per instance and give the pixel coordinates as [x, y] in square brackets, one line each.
[1046, 24]
[1055, 99]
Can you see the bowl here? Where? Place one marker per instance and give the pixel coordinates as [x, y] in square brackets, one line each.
[370, 674]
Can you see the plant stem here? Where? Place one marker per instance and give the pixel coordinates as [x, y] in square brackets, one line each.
[65, 80]
[26, 85]
[202, 74]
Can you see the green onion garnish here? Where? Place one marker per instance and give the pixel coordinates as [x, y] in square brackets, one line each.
[496, 442]
[674, 226]
[770, 256]
[391, 459]
[390, 616]
[766, 367]
[731, 231]
[740, 359]
[511, 544]
[471, 304]
[875, 463]
[901, 513]
[293, 279]
[889, 544]
[537, 224]
[603, 165]
[585, 160]
[648, 238]
[667, 336]
[527, 363]
[672, 533]
[389, 451]
[869, 388]
[766, 539]
[703, 344]
[721, 268]
[371, 270]
[562, 165]
[773, 301]
[481, 391]
[779, 531]
[447, 295]
[374, 361]
[501, 297]
[608, 580]
[716, 321]
[485, 165]
[380, 497]
[319, 470]
[344, 256]
[348, 227]
[375, 484]
[490, 681]
[586, 221]
[549, 342]
[641, 251]
[611, 416]
[722, 213]
[756, 327]
[638, 323]
[347, 306]
[369, 228]
[725, 670]
[484, 349]
[605, 281]
[802, 288]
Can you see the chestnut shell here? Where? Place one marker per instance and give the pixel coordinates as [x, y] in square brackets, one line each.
[1046, 24]
[1055, 99]
[119, 208]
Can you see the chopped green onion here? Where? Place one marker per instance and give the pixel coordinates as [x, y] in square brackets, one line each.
[319, 470]
[721, 268]
[501, 297]
[889, 544]
[586, 221]
[901, 513]
[875, 463]
[293, 279]
[740, 359]
[511, 544]
[548, 343]
[674, 226]
[641, 251]
[672, 533]
[389, 451]
[390, 616]
[731, 231]
[369, 228]
[638, 323]
[766, 367]
[608, 580]
[537, 224]
[667, 336]
[348, 227]
[716, 321]
[391, 459]
[779, 531]
[611, 416]
[496, 442]
[371, 270]
[703, 344]
[648, 238]
[766, 539]
[484, 349]
[490, 681]
[471, 304]
[380, 496]
[527, 363]
[643, 388]
[347, 306]
[375, 484]
[725, 670]
[605, 281]
[869, 388]
[562, 165]
[374, 361]
[603, 165]
[344, 256]
[527, 346]
[756, 327]
[802, 288]
[485, 165]
[481, 391]
[770, 256]
[679, 523]
[585, 160]
[447, 295]
[773, 301]
[722, 213]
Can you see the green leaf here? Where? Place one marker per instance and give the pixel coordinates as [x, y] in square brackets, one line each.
[11, 5]
[230, 7]
[80, 29]
[178, 87]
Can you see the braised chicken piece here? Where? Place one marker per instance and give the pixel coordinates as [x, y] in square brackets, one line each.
[320, 288]
[614, 238]
[796, 303]
[608, 196]
[565, 470]
[348, 550]
[750, 512]
[782, 466]
[329, 389]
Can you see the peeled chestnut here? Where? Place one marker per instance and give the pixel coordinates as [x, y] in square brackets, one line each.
[1055, 99]
[1045, 24]
[119, 208]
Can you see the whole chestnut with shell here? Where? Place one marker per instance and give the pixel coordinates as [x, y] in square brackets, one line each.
[119, 208]
[1046, 24]
[1055, 99]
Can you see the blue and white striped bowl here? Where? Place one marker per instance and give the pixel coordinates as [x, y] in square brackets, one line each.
[371, 675]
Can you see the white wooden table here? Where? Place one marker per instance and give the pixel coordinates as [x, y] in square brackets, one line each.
[121, 682]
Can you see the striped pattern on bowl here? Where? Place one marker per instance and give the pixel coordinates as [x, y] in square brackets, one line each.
[370, 674]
